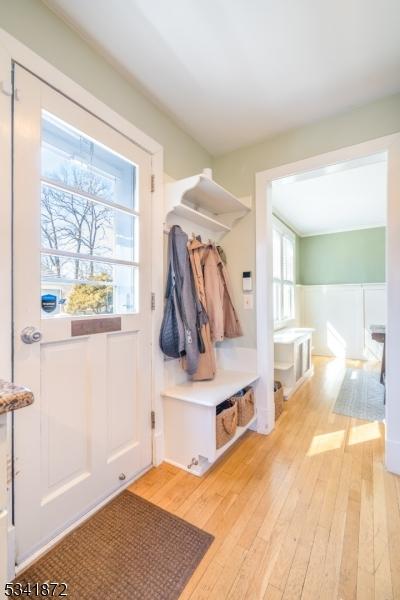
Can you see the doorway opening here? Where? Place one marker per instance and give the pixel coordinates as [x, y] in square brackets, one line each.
[329, 275]
[350, 245]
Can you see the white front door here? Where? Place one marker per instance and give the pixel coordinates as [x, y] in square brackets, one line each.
[82, 277]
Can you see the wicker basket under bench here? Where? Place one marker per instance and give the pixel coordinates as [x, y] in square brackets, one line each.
[190, 419]
[237, 411]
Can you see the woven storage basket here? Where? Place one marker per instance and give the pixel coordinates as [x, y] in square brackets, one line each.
[226, 423]
[246, 406]
[278, 397]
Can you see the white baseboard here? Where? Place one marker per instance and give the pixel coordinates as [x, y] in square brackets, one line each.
[265, 423]
[197, 470]
[11, 552]
[158, 448]
[331, 355]
[392, 456]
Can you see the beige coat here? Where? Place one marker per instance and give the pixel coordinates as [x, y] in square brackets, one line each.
[224, 322]
[207, 367]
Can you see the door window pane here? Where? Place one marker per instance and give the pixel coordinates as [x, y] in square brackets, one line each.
[86, 287]
[73, 159]
[76, 224]
[89, 225]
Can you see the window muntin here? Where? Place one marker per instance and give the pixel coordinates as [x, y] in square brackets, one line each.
[283, 274]
[89, 225]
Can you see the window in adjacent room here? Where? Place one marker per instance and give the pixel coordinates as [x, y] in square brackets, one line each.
[283, 273]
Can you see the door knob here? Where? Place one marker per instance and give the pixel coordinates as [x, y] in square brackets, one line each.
[30, 335]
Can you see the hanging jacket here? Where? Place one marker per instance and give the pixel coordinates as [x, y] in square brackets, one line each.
[207, 365]
[232, 326]
[222, 316]
[179, 329]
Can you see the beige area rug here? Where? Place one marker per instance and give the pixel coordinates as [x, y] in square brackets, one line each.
[129, 550]
[361, 396]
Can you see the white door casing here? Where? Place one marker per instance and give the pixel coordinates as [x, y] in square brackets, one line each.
[90, 422]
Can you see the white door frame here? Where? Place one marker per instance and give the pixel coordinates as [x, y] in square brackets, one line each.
[265, 350]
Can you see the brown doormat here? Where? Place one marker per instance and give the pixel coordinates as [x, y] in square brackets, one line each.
[129, 549]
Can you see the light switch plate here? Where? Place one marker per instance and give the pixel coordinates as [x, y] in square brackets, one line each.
[248, 301]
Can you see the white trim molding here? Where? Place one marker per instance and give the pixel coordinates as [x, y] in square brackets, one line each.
[264, 306]
[391, 145]
[6, 544]
[393, 314]
[349, 230]
[392, 452]
[5, 215]
[157, 276]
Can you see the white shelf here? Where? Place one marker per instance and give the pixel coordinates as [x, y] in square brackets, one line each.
[288, 336]
[283, 366]
[203, 201]
[201, 191]
[211, 393]
[239, 432]
[200, 218]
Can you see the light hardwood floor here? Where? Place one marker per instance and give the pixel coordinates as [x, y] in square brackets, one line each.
[307, 512]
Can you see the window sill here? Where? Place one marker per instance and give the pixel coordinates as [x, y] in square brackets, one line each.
[285, 323]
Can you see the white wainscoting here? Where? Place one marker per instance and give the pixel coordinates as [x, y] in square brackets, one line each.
[374, 313]
[341, 316]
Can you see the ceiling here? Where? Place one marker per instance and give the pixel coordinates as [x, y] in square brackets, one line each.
[341, 197]
[232, 72]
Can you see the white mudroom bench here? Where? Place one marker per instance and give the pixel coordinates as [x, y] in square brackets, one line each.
[190, 419]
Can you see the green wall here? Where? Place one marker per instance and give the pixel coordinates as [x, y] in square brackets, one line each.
[36, 26]
[356, 256]
[348, 257]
